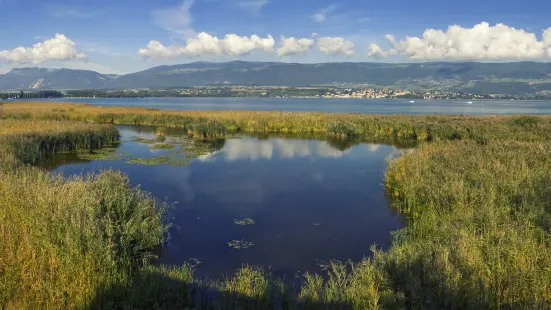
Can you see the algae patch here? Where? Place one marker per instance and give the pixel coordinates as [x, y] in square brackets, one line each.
[244, 222]
[240, 244]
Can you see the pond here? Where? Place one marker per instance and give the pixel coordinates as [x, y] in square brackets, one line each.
[287, 203]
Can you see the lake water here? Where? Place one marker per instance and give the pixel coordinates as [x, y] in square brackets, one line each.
[311, 200]
[370, 106]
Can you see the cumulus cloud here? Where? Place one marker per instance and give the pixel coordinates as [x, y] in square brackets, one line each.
[59, 48]
[175, 19]
[547, 40]
[240, 149]
[375, 51]
[321, 15]
[482, 41]
[206, 44]
[335, 46]
[294, 46]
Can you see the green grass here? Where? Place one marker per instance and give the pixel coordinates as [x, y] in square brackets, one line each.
[479, 225]
[476, 200]
[63, 239]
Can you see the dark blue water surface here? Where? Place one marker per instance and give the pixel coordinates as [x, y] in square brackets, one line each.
[312, 200]
[371, 106]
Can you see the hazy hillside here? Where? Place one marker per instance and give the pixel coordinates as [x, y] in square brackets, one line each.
[40, 78]
[508, 78]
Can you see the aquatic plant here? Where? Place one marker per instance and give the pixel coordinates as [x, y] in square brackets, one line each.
[240, 244]
[161, 160]
[106, 153]
[143, 140]
[244, 222]
[162, 146]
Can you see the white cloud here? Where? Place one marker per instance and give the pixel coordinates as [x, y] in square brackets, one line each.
[252, 6]
[205, 44]
[375, 51]
[321, 15]
[294, 46]
[479, 42]
[59, 48]
[240, 149]
[336, 46]
[547, 40]
[175, 19]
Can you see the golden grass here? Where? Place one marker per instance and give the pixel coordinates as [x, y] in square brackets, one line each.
[61, 240]
[202, 123]
[477, 202]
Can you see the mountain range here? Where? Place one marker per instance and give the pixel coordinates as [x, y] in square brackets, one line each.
[516, 78]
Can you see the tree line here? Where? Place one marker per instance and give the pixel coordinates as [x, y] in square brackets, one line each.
[31, 95]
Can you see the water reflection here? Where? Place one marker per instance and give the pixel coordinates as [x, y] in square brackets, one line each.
[311, 200]
[252, 149]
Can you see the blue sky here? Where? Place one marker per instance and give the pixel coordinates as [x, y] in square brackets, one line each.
[116, 36]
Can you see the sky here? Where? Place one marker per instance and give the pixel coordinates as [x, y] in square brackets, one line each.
[123, 36]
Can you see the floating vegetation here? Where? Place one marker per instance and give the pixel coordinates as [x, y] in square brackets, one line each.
[244, 222]
[161, 160]
[161, 138]
[240, 244]
[194, 262]
[181, 156]
[108, 153]
[162, 146]
[143, 140]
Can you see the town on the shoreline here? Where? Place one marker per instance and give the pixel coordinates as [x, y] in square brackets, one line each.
[266, 92]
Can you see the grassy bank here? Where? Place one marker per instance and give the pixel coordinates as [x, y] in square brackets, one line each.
[479, 225]
[204, 124]
[477, 200]
[62, 240]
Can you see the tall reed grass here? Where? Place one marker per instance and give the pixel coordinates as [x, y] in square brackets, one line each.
[477, 200]
[479, 225]
[217, 123]
[61, 240]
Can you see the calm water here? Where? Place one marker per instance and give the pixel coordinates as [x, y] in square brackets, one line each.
[312, 200]
[374, 106]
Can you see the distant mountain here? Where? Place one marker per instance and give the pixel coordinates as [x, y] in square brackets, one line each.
[507, 78]
[40, 78]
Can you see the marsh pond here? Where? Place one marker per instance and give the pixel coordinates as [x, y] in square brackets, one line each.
[288, 203]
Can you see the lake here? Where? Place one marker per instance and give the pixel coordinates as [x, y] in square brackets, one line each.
[288, 203]
[369, 106]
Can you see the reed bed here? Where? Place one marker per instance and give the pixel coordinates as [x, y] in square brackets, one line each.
[63, 239]
[204, 124]
[478, 235]
[477, 201]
